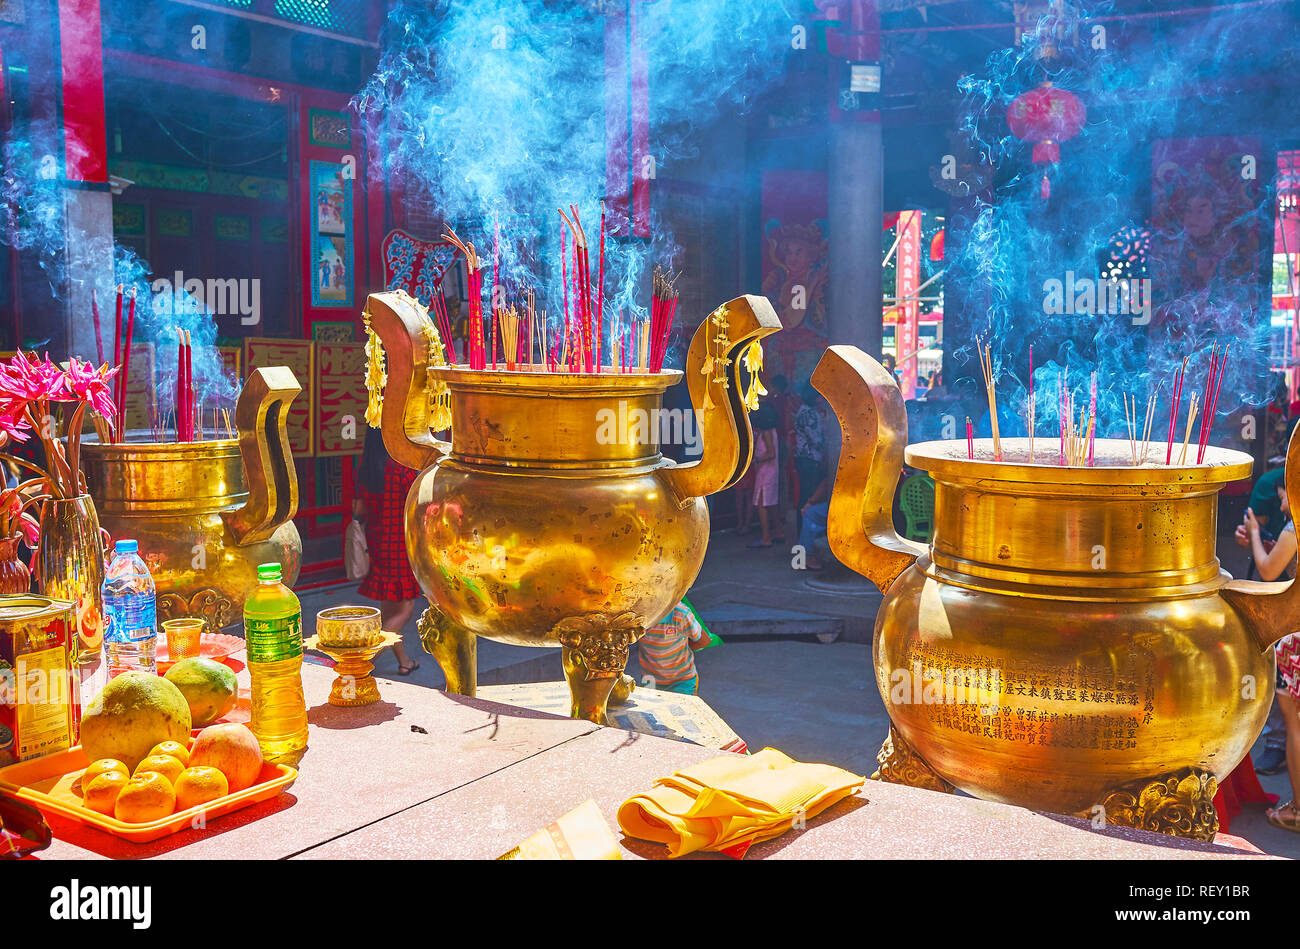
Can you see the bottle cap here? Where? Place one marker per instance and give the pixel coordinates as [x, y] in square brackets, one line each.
[126, 547]
[268, 572]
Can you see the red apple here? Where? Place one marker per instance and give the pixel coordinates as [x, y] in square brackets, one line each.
[233, 750]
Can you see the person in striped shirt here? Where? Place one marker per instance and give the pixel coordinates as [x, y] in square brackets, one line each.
[666, 651]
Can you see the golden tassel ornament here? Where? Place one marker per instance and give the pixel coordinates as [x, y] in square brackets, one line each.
[376, 377]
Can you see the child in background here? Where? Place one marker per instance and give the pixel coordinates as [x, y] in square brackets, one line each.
[666, 651]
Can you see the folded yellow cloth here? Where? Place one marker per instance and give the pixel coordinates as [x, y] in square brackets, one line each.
[733, 799]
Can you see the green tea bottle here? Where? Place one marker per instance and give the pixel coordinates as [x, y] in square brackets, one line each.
[273, 632]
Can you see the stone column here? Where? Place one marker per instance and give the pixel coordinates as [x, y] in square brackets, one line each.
[855, 187]
[855, 183]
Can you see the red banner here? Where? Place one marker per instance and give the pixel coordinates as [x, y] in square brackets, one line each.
[908, 271]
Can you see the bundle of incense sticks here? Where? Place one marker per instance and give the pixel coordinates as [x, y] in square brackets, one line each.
[185, 402]
[1192, 409]
[662, 308]
[1212, 386]
[509, 319]
[1092, 422]
[123, 335]
[474, 355]
[990, 385]
[587, 334]
[1131, 421]
[444, 324]
[553, 359]
[496, 268]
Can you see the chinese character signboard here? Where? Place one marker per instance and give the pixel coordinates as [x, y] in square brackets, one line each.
[340, 398]
[298, 355]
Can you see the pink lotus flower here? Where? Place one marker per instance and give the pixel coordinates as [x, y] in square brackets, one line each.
[90, 385]
[29, 380]
[13, 422]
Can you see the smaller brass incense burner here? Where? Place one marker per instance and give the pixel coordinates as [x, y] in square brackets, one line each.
[207, 512]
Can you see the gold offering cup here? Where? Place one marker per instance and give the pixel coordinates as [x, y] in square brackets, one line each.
[354, 685]
[552, 519]
[206, 513]
[1068, 641]
[183, 637]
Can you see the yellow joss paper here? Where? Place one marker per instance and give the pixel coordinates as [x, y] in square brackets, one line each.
[733, 799]
[581, 834]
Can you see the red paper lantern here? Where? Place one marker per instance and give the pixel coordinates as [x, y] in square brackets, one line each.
[1046, 116]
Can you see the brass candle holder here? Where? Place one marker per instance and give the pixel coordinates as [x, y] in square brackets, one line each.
[355, 685]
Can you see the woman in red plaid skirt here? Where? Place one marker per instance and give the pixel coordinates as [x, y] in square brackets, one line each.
[381, 497]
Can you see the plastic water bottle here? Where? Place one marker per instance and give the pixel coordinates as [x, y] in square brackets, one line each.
[273, 634]
[131, 630]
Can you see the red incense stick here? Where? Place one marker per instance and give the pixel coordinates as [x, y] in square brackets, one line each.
[99, 336]
[1173, 411]
[125, 374]
[600, 286]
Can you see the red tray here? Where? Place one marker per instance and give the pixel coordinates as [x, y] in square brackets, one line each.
[52, 784]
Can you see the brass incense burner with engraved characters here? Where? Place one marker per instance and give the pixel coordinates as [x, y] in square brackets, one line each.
[540, 523]
[207, 512]
[1068, 641]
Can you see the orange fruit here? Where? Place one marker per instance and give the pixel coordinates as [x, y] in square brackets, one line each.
[200, 785]
[146, 797]
[101, 793]
[102, 766]
[166, 765]
[173, 748]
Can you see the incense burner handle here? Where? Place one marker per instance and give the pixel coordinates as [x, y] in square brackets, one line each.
[261, 414]
[873, 426]
[402, 325]
[713, 376]
[1272, 610]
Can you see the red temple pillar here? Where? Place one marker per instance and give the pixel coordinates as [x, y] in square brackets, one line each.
[88, 202]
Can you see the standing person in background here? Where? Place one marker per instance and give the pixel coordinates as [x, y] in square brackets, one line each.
[779, 398]
[1272, 564]
[809, 443]
[767, 472]
[381, 497]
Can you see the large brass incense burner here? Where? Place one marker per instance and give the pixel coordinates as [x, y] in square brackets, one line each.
[1068, 641]
[551, 518]
[207, 512]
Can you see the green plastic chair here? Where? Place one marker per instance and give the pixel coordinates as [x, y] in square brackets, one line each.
[916, 498]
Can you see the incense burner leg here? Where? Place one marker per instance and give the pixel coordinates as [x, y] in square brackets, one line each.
[900, 764]
[1180, 804]
[595, 653]
[622, 690]
[455, 649]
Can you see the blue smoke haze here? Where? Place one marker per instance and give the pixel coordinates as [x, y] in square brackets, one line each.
[1175, 83]
[498, 109]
